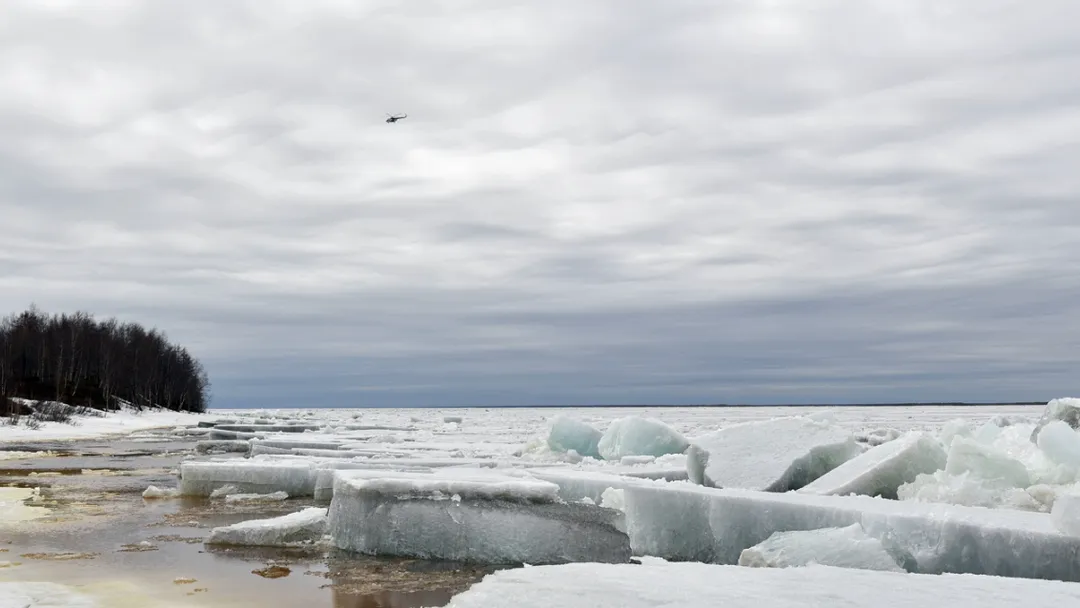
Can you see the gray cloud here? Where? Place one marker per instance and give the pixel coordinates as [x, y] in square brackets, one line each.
[675, 202]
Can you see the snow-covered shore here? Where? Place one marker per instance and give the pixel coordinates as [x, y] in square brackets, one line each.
[91, 427]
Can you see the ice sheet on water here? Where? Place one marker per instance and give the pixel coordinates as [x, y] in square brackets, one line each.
[295, 477]
[292, 444]
[773, 455]
[881, 470]
[686, 522]
[468, 522]
[659, 584]
[847, 547]
[305, 526]
[572, 434]
[637, 436]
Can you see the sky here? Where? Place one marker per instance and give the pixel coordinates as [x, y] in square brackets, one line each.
[603, 202]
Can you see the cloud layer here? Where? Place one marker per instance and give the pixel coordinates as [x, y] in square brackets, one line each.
[602, 202]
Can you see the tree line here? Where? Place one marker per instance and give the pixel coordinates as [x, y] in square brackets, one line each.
[75, 359]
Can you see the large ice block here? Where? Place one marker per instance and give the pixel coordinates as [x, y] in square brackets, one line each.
[636, 436]
[773, 455]
[1066, 514]
[479, 518]
[848, 547]
[881, 470]
[572, 434]
[1066, 409]
[304, 526]
[696, 523]
[656, 583]
[1060, 443]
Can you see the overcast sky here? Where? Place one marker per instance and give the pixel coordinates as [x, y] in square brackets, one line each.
[605, 201]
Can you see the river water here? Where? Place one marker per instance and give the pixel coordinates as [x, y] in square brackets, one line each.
[73, 513]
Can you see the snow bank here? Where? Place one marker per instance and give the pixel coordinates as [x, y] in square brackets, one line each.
[695, 523]
[881, 470]
[303, 526]
[90, 427]
[773, 455]
[848, 547]
[656, 583]
[636, 436]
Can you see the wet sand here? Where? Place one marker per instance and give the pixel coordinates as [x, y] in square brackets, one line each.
[81, 521]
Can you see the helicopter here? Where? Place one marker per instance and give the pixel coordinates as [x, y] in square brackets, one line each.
[394, 118]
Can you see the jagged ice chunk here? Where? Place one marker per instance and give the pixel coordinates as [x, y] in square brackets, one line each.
[307, 525]
[636, 436]
[848, 547]
[881, 470]
[572, 434]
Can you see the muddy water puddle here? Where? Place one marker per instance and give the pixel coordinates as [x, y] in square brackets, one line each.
[88, 527]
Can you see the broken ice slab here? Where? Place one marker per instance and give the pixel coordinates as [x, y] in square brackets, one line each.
[686, 522]
[773, 455]
[636, 436]
[289, 444]
[659, 583]
[268, 428]
[296, 478]
[475, 517]
[572, 434]
[848, 547]
[881, 470]
[217, 435]
[222, 446]
[307, 525]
